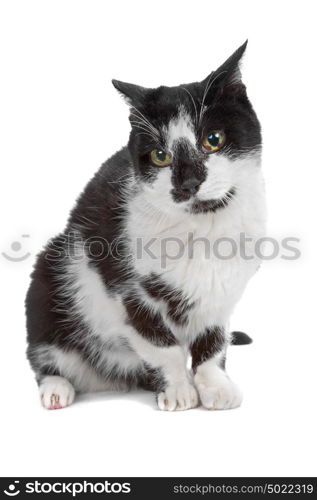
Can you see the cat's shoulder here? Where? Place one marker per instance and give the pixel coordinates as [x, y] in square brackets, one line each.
[115, 169]
[103, 193]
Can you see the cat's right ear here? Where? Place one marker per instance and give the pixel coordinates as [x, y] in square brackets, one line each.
[133, 94]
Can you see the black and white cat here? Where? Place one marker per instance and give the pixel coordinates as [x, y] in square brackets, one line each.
[128, 292]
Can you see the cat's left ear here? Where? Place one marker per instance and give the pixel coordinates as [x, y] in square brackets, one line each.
[228, 75]
[134, 95]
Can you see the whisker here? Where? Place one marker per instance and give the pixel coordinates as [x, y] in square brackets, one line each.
[193, 101]
[146, 131]
[141, 116]
[207, 88]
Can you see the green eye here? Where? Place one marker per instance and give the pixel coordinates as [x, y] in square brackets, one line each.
[214, 141]
[160, 158]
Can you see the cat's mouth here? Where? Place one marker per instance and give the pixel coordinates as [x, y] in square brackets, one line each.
[204, 206]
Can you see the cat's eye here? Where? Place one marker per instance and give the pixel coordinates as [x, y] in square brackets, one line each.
[214, 141]
[160, 158]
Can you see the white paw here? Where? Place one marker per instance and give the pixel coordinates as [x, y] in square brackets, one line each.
[56, 392]
[221, 394]
[178, 397]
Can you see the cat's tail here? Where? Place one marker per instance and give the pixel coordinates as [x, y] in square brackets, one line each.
[240, 338]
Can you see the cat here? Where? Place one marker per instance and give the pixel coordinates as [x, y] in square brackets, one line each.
[116, 301]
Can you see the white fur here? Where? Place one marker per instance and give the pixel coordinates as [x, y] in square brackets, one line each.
[216, 390]
[215, 285]
[74, 368]
[180, 127]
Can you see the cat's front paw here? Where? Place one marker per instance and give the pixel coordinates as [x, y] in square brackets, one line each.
[221, 394]
[181, 396]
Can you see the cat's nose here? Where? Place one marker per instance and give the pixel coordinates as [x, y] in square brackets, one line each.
[190, 185]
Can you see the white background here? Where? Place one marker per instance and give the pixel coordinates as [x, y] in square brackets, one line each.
[60, 119]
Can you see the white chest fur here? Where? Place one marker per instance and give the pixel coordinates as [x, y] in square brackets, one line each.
[200, 255]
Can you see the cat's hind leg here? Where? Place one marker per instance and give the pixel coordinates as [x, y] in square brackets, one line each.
[60, 373]
[56, 392]
[55, 389]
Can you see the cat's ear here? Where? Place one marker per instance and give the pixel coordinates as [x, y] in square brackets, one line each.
[134, 95]
[228, 75]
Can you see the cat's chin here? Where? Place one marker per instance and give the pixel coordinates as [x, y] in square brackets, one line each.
[204, 206]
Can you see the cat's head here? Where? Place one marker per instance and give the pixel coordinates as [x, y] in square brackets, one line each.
[190, 144]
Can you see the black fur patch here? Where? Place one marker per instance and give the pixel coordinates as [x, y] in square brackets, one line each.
[147, 323]
[151, 380]
[211, 342]
[205, 206]
[188, 170]
[48, 318]
[100, 213]
[177, 305]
